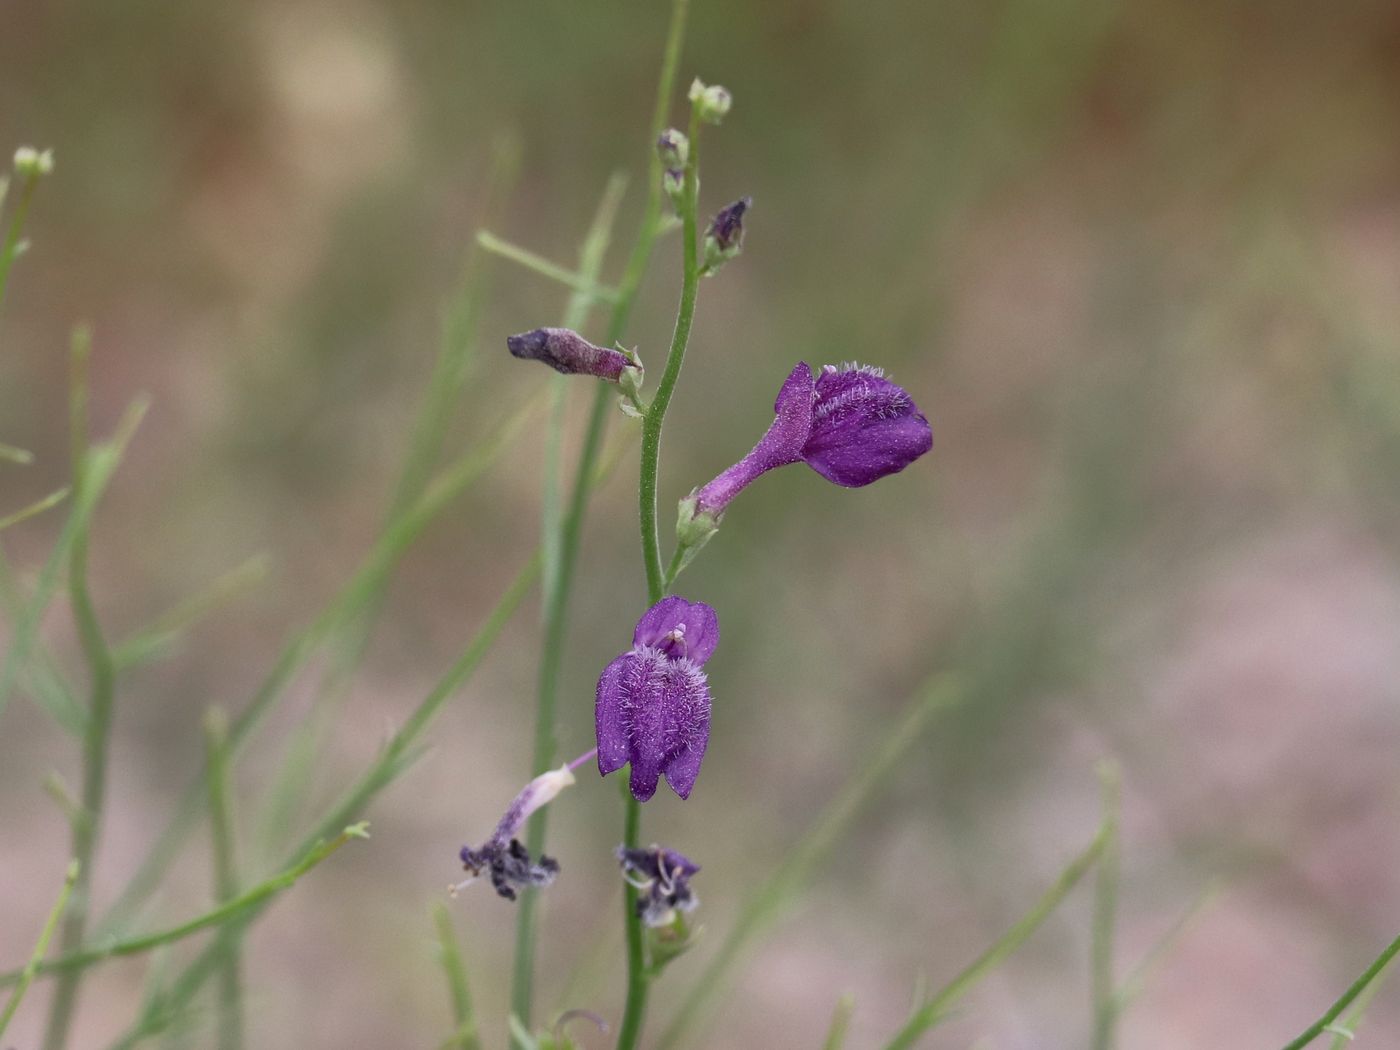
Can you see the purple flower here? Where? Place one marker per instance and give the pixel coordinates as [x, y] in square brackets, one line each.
[851, 425]
[662, 877]
[502, 856]
[653, 702]
[570, 353]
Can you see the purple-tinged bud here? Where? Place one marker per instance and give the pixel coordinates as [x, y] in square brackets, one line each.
[851, 425]
[673, 183]
[662, 879]
[652, 707]
[570, 353]
[711, 102]
[673, 148]
[502, 856]
[725, 237]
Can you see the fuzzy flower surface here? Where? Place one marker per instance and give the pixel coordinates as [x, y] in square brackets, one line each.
[849, 424]
[653, 702]
[662, 878]
[502, 857]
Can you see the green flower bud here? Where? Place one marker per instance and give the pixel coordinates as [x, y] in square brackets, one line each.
[711, 102]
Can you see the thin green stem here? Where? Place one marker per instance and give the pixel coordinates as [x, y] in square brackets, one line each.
[464, 1033]
[584, 283]
[96, 739]
[1344, 1032]
[1358, 986]
[570, 537]
[37, 507]
[12, 249]
[11, 454]
[638, 980]
[36, 958]
[1105, 999]
[238, 907]
[367, 582]
[656, 414]
[162, 632]
[221, 824]
[936, 1008]
[559, 545]
[809, 853]
[840, 1023]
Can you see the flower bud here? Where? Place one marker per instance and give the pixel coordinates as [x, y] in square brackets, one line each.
[31, 163]
[711, 102]
[570, 353]
[725, 237]
[673, 148]
[673, 182]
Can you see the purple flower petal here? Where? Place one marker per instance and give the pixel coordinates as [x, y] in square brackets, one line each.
[609, 718]
[653, 703]
[864, 427]
[679, 628]
[782, 444]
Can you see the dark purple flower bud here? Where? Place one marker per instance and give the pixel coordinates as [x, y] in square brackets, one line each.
[725, 237]
[570, 353]
[662, 878]
[851, 425]
[653, 702]
[502, 856]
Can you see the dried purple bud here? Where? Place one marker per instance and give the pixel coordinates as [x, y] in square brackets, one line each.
[568, 352]
[662, 877]
[851, 425]
[502, 856]
[725, 237]
[653, 702]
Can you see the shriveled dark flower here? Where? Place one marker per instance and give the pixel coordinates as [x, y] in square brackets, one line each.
[725, 237]
[568, 352]
[850, 424]
[662, 878]
[502, 856]
[653, 702]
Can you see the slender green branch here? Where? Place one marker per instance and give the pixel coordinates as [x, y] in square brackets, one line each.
[46, 682]
[367, 581]
[163, 631]
[559, 543]
[36, 958]
[1344, 1031]
[1105, 909]
[14, 243]
[11, 454]
[582, 282]
[1358, 986]
[1133, 983]
[37, 507]
[221, 824]
[248, 901]
[96, 740]
[840, 1023]
[464, 1035]
[936, 1008]
[779, 890]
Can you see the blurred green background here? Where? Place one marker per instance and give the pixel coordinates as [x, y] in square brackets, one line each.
[1138, 262]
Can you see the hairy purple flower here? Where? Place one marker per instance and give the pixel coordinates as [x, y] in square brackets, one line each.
[570, 353]
[662, 877]
[502, 856]
[653, 702]
[850, 424]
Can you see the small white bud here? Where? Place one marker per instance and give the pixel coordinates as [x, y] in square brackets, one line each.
[31, 163]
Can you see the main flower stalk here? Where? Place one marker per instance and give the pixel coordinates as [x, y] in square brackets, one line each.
[637, 981]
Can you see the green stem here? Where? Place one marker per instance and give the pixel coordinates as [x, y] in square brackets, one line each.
[1105, 998]
[571, 531]
[36, 958]
[559, 543]
[840, 1023]
[221, 823]
[1358, 986]
[464, 1033]
[935, 1009]
[638, 982]
[97, 737]
[11, 251]
[76, 961]
[656, 414]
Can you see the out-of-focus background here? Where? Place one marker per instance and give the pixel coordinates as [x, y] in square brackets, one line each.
[1138, 262]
